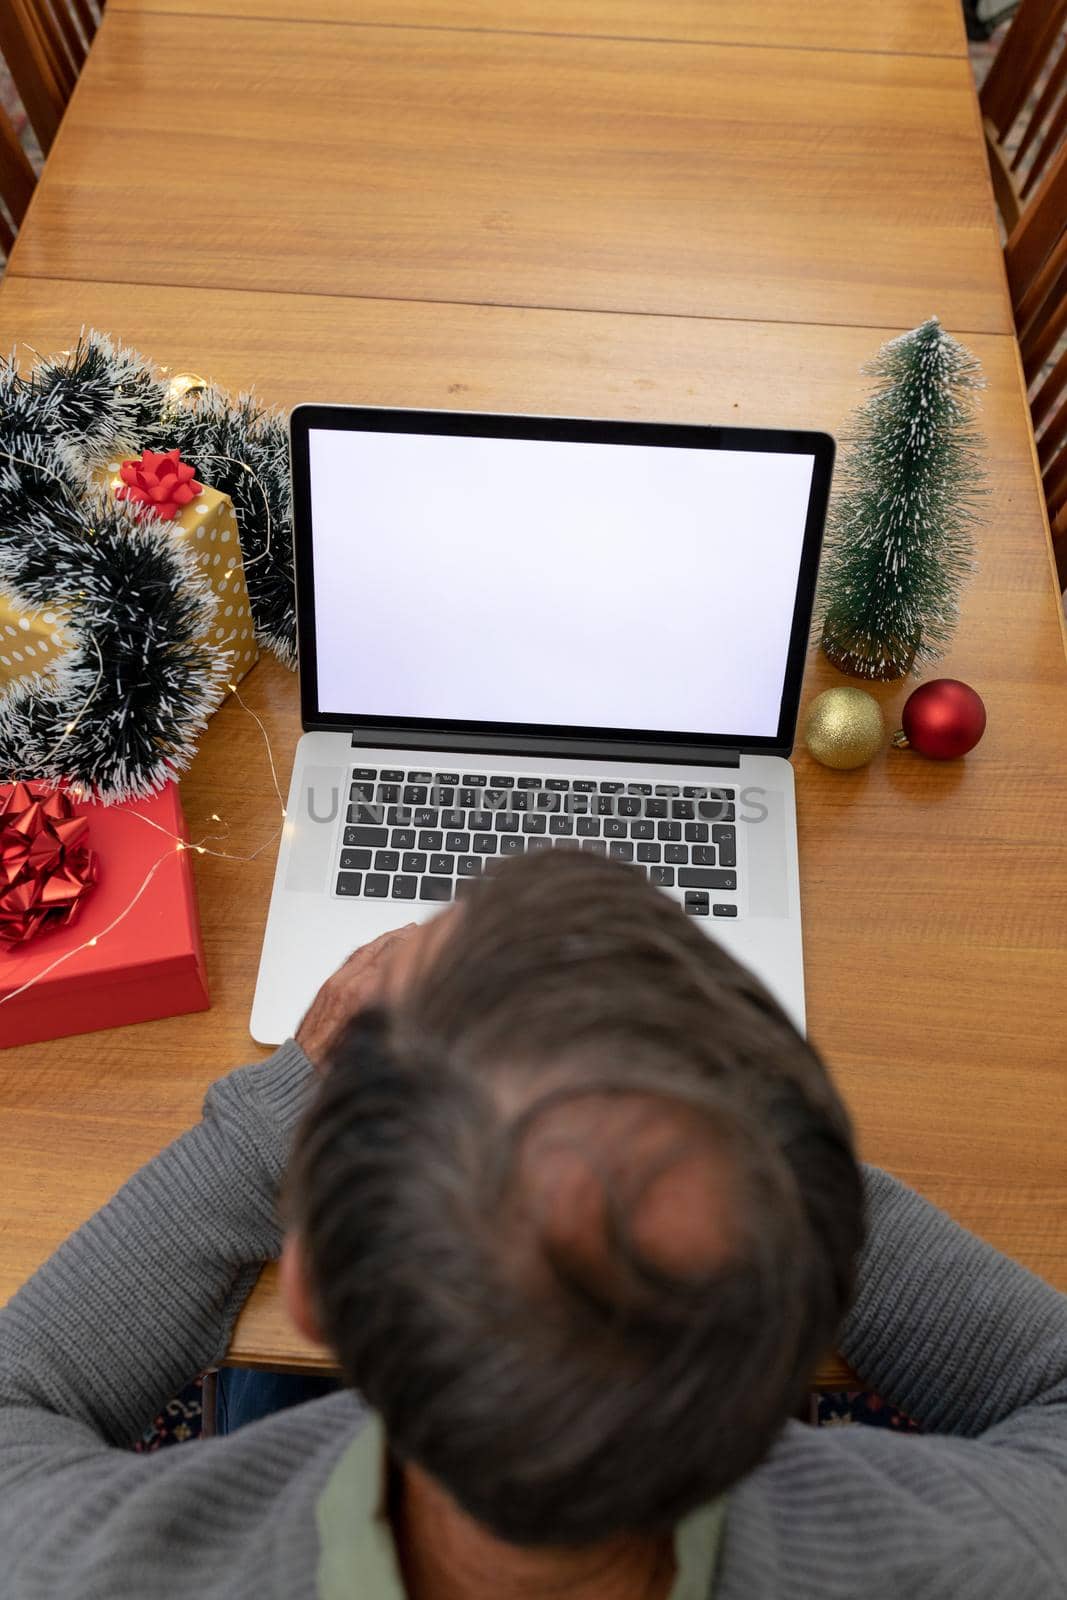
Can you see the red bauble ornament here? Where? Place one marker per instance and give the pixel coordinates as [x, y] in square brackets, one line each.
[46, 866]
[159, 481]
[942, 719]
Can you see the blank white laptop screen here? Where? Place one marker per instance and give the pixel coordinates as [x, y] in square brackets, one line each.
[583, 585]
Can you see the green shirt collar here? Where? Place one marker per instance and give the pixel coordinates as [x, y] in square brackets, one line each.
[696, 1551]
[357, 1556]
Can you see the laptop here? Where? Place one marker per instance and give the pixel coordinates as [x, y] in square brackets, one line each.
[522, 633]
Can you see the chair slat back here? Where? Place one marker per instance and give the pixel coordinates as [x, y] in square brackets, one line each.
[1058, 525]
[17, 181]
[1017, 66]
[1039, 338]
[1036, 259]
[1051, 109]
[85, 15]
[44, 44]
[1033, 243]
[1027, 81]
[66, 34]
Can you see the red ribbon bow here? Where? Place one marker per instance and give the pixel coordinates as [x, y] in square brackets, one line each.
[162, 482]
[46, 866]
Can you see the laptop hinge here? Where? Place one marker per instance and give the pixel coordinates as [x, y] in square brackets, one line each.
[571, 749]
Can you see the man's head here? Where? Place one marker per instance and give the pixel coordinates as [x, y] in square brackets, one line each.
[578, 1207]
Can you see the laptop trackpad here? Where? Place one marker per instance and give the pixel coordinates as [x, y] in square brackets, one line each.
[768, 868]
[312, 844]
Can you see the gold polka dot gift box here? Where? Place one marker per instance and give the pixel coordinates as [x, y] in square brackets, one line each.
[161, 481]
[32, 642]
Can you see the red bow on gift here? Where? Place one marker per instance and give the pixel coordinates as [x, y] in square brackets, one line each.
[163, 483]
[46, 866]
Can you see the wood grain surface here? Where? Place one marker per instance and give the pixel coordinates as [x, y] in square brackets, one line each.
[522, 169]
[935, 896]
[905, 26]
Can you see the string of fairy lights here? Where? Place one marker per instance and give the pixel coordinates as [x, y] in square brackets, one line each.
[178, 845]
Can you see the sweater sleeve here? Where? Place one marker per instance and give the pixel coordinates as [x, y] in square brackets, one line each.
[146, 1293]
[959, 1336]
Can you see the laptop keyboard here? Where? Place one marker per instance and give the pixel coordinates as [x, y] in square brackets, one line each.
[422, 835]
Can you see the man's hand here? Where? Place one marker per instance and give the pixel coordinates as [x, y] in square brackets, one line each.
[359, 983]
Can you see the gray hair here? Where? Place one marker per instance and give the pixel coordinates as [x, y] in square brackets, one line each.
[581, 1209]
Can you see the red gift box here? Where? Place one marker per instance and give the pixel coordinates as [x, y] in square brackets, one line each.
[151, 964]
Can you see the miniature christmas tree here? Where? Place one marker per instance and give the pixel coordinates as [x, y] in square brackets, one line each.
[899, 537]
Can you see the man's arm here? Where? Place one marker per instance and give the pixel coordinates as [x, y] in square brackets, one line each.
[975, 1348]
[961, 1337]
[145, 1295]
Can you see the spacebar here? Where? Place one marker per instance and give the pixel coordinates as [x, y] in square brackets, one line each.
[694, 878]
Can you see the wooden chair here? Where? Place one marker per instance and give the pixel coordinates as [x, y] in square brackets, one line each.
[1036, 260]
[44, 43]
[17, 180]
[1033, 54]
[1025, 97]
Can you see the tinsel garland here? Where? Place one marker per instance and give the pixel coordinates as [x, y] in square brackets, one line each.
[123, 710]
[243, 451]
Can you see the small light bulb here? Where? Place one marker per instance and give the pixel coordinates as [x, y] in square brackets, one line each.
[93, 940]
[200, 850]
[215, 817]
[180, 845]
[69, 728]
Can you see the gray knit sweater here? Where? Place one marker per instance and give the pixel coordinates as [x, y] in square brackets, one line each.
[145, 1295]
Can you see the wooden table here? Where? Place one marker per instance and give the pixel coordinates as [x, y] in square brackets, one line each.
[909, 27]
[935, 897]
[524, 170]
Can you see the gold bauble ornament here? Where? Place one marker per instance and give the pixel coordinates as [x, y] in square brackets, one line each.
[844, 728]
[185, 384]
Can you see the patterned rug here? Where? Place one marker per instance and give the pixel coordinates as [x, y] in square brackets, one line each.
[183, 1418]
[179, 1421]
[841, 1409]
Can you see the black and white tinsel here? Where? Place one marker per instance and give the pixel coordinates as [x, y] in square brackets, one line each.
[123, 710]
[243, 451]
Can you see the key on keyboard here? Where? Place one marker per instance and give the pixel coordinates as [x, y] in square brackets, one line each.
[684, 836]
